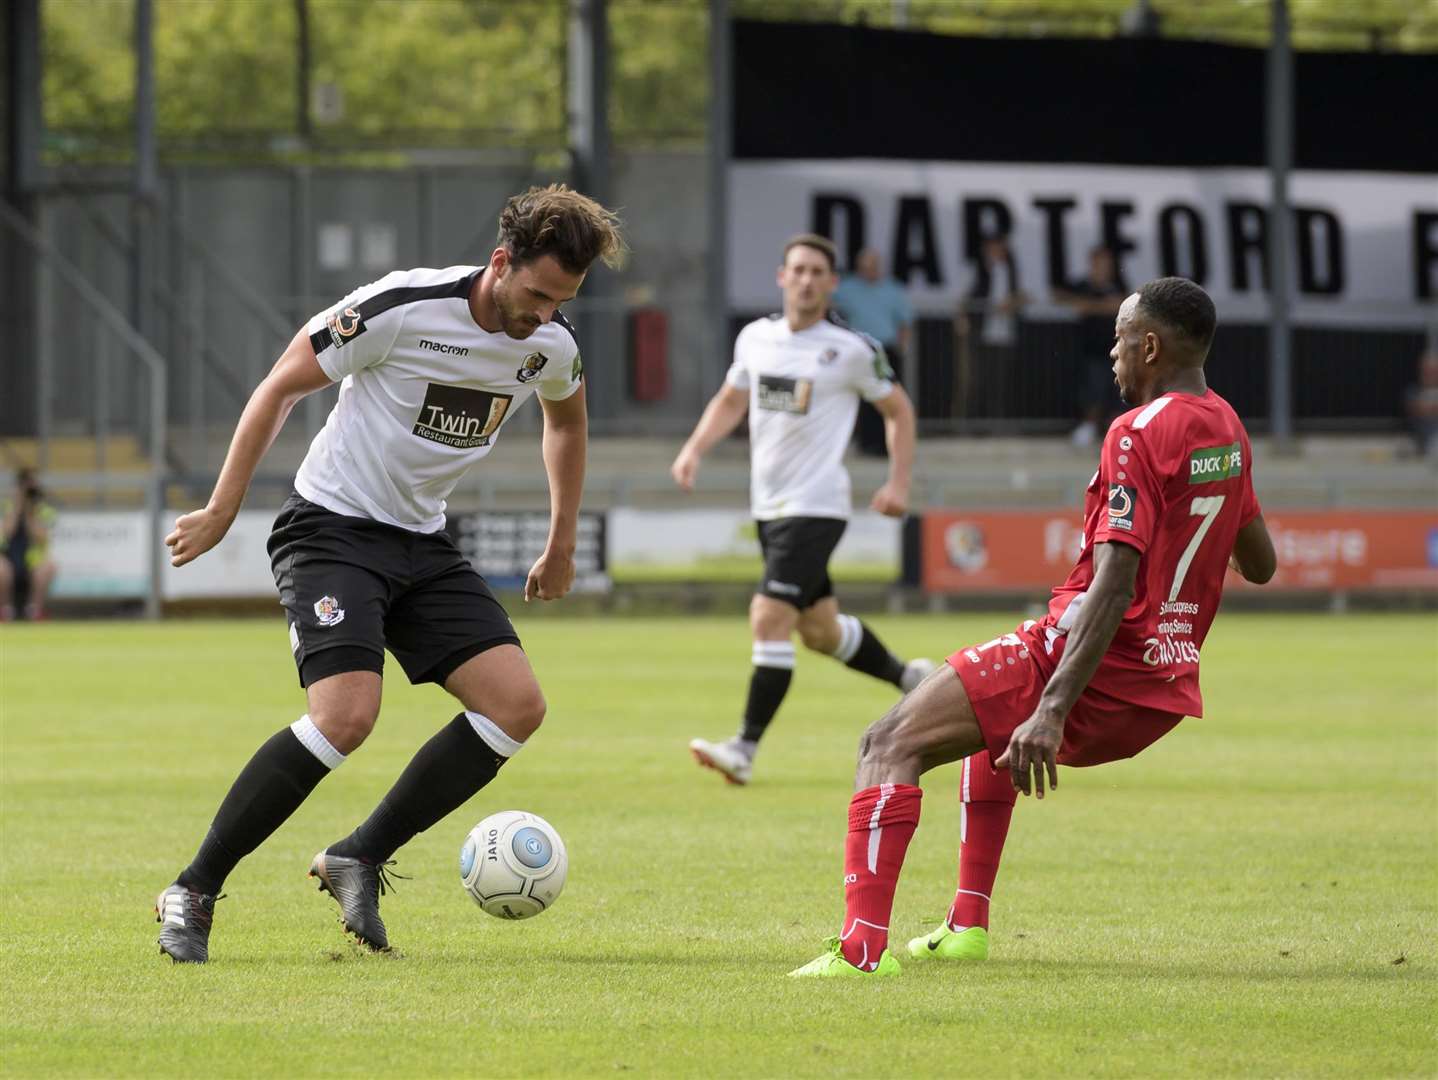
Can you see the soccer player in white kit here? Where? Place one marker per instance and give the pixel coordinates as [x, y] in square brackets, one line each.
[431, 365]
[798, 376]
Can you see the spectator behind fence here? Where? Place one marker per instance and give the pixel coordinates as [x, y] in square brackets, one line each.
[1096, 300]
[986, 329]
[878, 306]
[26, 569]
[1422, 405]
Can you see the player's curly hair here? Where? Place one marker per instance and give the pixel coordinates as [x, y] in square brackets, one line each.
[1183, 306]
[559, 221]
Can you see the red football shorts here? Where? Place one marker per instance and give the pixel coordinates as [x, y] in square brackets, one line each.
[1005, 679]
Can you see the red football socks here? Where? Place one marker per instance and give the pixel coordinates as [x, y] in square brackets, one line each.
[882, 820]
[988, 805]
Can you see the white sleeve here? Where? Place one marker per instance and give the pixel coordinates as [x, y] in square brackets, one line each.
[563, 376]
[869, 371]
[359, 331]
[738, 374]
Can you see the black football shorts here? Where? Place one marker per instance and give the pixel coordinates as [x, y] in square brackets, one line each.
[353, 587]
[796, 558]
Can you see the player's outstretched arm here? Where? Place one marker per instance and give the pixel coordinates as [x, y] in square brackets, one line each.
[296, 374]
[721, 416]
[899, 436]
[1034, 745]
[565, 447]
[1253, 554]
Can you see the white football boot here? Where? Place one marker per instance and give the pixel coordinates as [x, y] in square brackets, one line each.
[727, 758]
[915, 672]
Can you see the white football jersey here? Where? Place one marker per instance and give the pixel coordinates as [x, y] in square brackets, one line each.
[804, 391]
[424, 393]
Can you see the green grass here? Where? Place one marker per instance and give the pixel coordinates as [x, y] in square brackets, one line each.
[1235, 902]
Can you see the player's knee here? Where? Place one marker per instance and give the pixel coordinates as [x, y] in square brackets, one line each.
[771, 620]
[521, 716]
[883, 742]
[346, 726]
[816, 636]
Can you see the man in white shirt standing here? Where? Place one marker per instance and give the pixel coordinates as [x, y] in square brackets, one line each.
[798, 377]
[431, 365]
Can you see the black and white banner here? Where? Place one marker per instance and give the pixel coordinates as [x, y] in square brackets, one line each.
[504, 544]
[1365, 245]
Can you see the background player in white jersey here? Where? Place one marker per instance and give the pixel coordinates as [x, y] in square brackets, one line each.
[431, 364]
[798, 376]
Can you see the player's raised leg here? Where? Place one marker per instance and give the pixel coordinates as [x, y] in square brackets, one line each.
[503, 706]
[825, 629]
[270, 788]
[931, 726]
[988, 798]
[771, 622]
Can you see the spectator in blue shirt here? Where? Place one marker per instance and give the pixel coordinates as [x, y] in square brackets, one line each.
[878, 306]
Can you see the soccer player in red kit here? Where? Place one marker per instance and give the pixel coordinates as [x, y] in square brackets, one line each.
[1111, 668]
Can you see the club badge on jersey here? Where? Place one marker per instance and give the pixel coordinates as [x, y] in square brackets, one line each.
[532, 366]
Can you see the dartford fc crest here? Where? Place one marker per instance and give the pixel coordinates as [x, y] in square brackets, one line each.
[532, 366]
[328, 611]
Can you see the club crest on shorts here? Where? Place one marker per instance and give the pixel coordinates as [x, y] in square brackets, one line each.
[328, 611]
[532, 366]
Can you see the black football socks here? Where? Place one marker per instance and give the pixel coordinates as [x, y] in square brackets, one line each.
[773, 672]
[268, 790]
[860, 649]
[461, 758]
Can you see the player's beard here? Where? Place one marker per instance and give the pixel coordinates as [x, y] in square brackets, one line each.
[515, 322]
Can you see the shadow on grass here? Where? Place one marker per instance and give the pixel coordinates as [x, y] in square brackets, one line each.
[496, 959]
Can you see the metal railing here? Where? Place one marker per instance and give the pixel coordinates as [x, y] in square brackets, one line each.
[194, 279]
[97, 306]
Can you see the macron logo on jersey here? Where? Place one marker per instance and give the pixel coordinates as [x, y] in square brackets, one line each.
[441, 347]
[460, 417]
[1215, 463]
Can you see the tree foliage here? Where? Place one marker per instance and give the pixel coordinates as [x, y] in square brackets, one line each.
[474, 73]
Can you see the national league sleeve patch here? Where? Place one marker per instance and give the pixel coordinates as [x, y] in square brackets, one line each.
[344, 325]
[1121, 502]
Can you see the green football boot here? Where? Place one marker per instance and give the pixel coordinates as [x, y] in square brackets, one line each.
[971, 943]
[832, 965]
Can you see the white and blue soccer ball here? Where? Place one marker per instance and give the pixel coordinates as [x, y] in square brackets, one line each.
[513, 864]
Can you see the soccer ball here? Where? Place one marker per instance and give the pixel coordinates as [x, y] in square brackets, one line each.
[513, 864]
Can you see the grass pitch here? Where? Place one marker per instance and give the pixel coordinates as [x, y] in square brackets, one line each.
[1255, 895]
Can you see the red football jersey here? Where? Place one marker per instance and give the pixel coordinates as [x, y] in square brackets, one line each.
[1176, 482]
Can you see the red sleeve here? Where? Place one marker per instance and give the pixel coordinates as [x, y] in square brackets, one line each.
[1135, 496]
[1250, 508]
